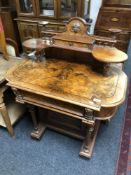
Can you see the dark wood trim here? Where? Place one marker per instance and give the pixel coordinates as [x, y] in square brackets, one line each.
[48, 17]
[14, 44]
[80, 9]
[25, 14]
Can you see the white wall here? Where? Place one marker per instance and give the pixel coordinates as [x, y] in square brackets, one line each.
[86, 7]
[94, 10]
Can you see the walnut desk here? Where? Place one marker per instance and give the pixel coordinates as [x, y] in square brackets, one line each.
[84, 96]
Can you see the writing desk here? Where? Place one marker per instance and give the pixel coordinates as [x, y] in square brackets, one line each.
[83, 95]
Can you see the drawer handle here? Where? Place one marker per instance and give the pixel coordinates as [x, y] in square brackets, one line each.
[71, 44]
[114, 19]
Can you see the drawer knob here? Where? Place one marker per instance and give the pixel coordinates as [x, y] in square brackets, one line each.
[115, 19]
[70, 44]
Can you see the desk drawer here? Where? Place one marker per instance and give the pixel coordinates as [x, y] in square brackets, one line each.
[51, 104]
[65, 108]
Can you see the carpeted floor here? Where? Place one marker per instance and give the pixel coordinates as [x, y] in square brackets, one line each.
[124, 160]
[129, 157]
[128, 171]
[57, 154]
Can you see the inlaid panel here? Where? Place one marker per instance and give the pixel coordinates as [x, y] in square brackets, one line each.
[66, 81]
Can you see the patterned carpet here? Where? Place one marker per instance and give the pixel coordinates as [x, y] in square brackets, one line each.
[129, 158]
[124, 161]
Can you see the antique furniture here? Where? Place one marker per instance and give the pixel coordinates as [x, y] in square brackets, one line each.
[7, 45]
[2, 41]
[12, 47]
[33, 14]
[10, 111]
[8, 13]
[114, 21]
[71, 84]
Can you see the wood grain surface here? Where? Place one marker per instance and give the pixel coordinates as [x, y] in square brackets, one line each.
[70, 82]
[109, 54]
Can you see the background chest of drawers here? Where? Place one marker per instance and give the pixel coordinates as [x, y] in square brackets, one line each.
[114, 21]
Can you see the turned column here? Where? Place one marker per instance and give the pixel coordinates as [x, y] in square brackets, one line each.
[33, 116]
[39, 127]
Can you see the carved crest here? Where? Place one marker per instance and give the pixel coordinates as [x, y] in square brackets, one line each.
[75, 28]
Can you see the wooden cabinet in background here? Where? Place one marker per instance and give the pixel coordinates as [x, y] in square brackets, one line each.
[28, 30]
[117, 3]
[7, 19]
[115, 22]
[47, 9]
[26, 8]
[8, 13]
[55, 9]
[34, 14]
[4, 3]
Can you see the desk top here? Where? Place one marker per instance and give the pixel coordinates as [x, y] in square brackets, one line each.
[70, 82]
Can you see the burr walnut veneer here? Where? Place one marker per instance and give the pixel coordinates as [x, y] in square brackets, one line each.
[70, 84]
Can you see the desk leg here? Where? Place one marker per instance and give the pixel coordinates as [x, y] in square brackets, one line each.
[5, 117]
[88, 144]
[39, 128]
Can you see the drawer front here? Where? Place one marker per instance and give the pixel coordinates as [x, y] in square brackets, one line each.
[114, 19]
[27, 30]
[48, 103]
[49, 28]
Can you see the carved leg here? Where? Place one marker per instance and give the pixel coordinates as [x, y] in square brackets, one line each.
[5, 117]
[39, 128]
[88, 144]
